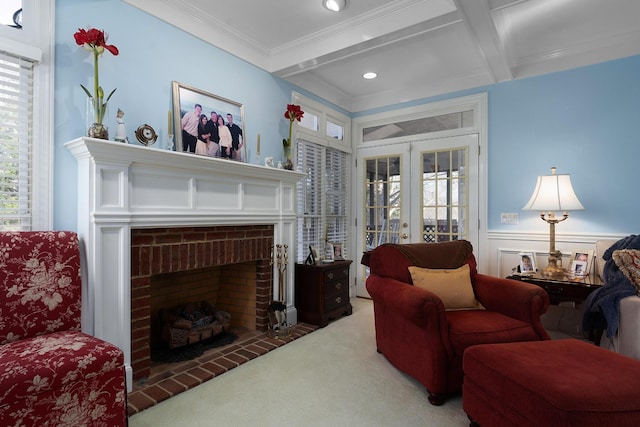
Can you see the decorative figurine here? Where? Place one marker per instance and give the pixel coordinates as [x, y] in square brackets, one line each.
[121, 130]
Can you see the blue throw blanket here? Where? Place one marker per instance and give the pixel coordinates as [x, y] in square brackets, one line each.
[603, 305]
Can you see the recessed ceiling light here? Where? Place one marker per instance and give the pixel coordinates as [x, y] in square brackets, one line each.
[334, 5]
[369, 76]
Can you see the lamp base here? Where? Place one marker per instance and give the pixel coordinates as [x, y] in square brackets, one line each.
[554, 269]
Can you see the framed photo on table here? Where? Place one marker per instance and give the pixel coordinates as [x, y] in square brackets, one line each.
[580, 266]
[527, 263]
[187, 101]
[338, 249]
[328, 253]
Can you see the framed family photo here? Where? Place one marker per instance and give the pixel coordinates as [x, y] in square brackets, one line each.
[527, 263]
[580, 265]
[207, 124]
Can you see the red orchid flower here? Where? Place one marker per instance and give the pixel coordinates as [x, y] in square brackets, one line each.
[95, 41]
[294, 112]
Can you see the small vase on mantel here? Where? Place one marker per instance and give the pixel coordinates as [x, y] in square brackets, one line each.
[95, 129]
[288, 164]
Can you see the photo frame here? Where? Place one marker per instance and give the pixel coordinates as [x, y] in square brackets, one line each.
[313, 255]
[527, 263]
[185, 100]
[328, 253]
[580, 265]
[338, 252]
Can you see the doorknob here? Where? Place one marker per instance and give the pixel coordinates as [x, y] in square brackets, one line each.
[405, 236]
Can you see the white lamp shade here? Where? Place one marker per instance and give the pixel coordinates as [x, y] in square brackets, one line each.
[553, 193]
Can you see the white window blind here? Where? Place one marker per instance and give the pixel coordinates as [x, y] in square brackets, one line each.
[322, 198]
[16, 142]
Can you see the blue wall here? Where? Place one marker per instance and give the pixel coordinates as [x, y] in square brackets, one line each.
[152, 55]
[583, 121]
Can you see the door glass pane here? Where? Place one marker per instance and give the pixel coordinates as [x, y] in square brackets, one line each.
[444, 195]
[382, 204]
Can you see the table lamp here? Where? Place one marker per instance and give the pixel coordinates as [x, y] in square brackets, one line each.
[553, 193]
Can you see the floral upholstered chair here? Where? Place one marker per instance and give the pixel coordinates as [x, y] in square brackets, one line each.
[52, 374]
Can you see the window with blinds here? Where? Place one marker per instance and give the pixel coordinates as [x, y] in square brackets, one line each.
[16, 142]
[322, 198]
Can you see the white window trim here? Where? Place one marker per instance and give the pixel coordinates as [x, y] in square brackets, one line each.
[324, 113]
[319, 137]
[36, 42]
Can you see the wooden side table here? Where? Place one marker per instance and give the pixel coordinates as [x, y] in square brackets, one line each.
[560, 290]
[322, 292]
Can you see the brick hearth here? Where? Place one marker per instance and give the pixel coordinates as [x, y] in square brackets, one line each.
[168, 250]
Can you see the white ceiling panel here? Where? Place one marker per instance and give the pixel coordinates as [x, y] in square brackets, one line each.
[419, 48]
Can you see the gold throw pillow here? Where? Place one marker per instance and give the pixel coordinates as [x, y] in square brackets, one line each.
[453, 287]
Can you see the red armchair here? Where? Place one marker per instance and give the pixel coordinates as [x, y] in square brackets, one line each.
[51, 374]
[419, 337]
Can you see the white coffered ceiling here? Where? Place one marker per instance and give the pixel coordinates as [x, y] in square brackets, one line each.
[419, 48]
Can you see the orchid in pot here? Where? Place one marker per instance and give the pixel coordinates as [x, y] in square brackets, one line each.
[293, 113]
[95, 41]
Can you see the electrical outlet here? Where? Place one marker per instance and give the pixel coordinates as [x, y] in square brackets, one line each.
[508, 218]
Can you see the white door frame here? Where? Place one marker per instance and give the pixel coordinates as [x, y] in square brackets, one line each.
[479, 105]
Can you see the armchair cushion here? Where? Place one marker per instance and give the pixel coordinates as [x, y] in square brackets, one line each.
[30, 263]
[48, 357]
[452, 286]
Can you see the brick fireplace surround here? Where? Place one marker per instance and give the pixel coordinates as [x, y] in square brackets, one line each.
[127, 187]
[168, 250]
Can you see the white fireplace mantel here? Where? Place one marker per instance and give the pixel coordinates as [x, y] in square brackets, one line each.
[122, 186]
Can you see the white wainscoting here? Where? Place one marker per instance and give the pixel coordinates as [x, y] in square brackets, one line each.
[503, 249]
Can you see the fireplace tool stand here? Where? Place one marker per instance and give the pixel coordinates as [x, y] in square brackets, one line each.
[277, 311]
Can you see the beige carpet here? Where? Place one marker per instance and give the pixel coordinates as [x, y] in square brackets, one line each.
[331, 377]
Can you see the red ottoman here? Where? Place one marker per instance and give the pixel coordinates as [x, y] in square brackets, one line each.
[550, 383]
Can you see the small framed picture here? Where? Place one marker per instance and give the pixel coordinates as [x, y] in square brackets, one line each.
[527, 263]
[328, 252]
[580, 266]
[313, 255]
[337, 251]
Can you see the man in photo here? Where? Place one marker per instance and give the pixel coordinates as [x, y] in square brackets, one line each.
[236, 137]
[189, 124]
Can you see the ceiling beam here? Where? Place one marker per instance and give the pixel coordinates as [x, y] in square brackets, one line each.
[477, 19]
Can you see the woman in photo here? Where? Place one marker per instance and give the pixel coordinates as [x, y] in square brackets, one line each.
[225, 138]
[202, 145]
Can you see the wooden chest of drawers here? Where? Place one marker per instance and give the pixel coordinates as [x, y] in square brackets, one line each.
[322, 292]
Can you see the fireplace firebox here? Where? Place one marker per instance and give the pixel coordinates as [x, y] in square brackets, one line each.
[158, 254]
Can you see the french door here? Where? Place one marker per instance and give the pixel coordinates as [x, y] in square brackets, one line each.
[420, 191]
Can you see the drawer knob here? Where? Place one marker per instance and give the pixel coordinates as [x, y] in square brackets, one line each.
[338, 300]
[345, 272]
[338, 285]
[330, 276]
